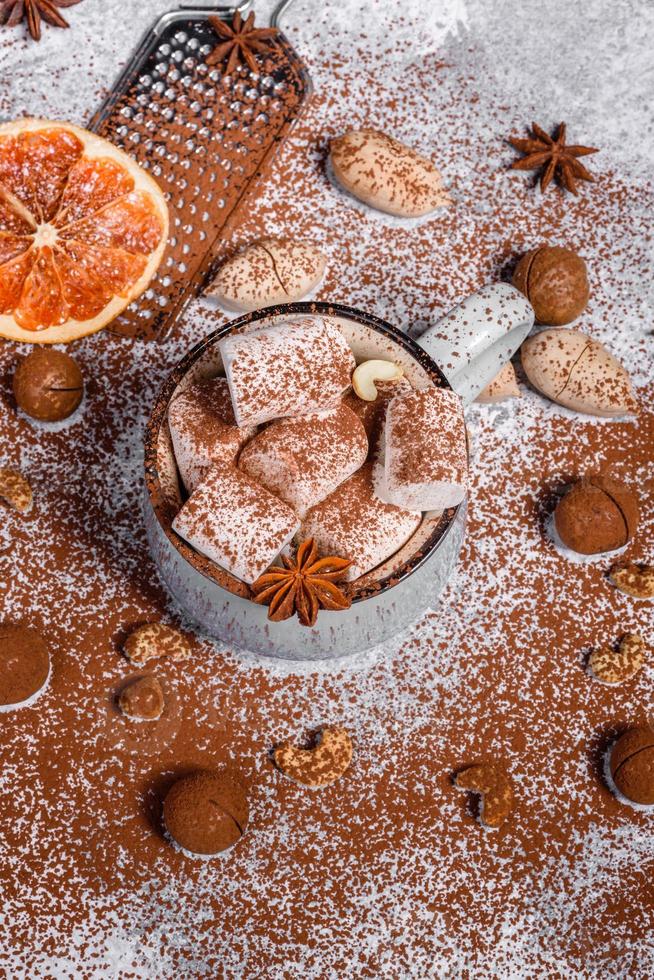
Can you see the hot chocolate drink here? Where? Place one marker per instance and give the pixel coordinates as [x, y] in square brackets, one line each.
[284, 449]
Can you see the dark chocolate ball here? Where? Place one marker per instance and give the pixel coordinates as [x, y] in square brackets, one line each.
[48, 385]
[206, 812]
[632, 764]
[24, 665]
[597, 514]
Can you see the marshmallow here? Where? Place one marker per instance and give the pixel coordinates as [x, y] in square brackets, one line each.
[236, 523]
[295, 368]
[353, 523]
[372, 414]
[203, 430]
[424, 459]
[301, 460]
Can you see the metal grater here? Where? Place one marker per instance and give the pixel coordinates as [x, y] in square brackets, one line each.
[204, 136]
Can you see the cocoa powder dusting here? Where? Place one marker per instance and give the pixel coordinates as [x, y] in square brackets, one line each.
[292, 368]
[201, 424]
[383, 874]
[236, 522]
[352, 522]
[301, 460]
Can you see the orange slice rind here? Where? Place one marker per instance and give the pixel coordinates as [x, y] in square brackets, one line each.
[83, 229]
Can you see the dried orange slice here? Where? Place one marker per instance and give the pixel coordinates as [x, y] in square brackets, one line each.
[82, 231]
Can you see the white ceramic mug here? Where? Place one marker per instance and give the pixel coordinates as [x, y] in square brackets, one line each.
[464, 351]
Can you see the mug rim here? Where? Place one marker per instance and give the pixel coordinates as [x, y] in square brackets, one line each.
[159, 414]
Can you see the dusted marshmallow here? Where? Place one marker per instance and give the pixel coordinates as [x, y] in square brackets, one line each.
[236, 523]
[301, 460]
[356, 524]
[203, 429]
[425, 460]
[296, 368]
[372, 414]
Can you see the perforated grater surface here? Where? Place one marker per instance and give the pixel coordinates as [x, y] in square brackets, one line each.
[204, 136]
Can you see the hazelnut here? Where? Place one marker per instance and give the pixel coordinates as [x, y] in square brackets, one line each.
[597, 514]
[632, 764]
[142, 699]
[205, 812]
[555, 282]
[48, 385]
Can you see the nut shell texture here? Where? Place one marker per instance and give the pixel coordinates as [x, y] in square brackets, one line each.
[268, 272]
[632, 764]
[504, 385]
[386, 174]
[597, 514]
[48, 385]
[205, 812]
[576, 371]
[555, 282]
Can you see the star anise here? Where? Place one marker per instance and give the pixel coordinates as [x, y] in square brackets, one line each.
[304, 585]
[13, 11]
[241, 40]
[552, 154]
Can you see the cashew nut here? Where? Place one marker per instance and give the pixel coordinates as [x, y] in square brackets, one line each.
[323, 764]
[365, 375]
[496, 791]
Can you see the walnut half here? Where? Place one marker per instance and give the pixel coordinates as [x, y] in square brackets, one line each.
[634, 580]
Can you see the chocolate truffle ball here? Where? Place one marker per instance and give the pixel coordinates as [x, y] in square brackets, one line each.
[48, 385]
[597, 514]
[205, 812]
[24, 665]
[632, 764]
[555, 282]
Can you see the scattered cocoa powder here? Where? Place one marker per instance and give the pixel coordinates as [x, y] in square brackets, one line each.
[494, 663]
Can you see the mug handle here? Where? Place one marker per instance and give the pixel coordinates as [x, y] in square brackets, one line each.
[475, 339]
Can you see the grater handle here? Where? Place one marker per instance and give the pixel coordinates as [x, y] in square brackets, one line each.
[279, 12]
[228, 10]
[222, 9]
